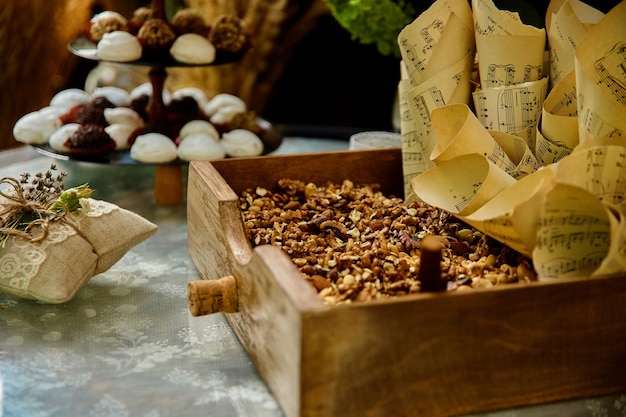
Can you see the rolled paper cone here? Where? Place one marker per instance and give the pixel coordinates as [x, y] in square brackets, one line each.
[599, 170]
[511, 217]
[567, 23]
[559, 117]
[573, 233]
[212, 296]
[500, 62]
[459, 132]
[508, 51]
[615, 261]
[513, 109]
[518, 151]
[548, 152]
[461, 185]
[599, 66]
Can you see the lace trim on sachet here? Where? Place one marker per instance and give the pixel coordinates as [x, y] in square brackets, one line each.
[20, 260]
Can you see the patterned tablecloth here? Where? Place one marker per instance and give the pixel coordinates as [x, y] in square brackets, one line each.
[126, 345]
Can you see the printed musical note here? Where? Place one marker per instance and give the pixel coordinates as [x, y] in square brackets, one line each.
[611, 70]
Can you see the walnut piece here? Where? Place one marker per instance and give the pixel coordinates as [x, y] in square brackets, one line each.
[352, 243]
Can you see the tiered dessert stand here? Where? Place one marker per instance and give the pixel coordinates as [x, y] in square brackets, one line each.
[168, 187]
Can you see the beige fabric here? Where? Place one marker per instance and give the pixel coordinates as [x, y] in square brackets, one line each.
[91, 241]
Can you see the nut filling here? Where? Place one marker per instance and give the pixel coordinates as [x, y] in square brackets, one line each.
[352, 243]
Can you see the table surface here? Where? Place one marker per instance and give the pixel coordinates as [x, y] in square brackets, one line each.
[126, 344]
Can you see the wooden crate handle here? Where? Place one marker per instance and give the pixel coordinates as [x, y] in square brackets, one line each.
[212, 296]
[430, 268]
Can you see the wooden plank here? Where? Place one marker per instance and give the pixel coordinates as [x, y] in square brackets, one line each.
[383, 167]
[451, 354]
[270, 291]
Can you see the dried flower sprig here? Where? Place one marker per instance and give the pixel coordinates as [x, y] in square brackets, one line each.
[37, 201]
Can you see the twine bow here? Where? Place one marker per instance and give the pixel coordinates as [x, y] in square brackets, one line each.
[16, 206]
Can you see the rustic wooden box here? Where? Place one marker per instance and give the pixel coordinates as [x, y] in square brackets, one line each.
[422, 355]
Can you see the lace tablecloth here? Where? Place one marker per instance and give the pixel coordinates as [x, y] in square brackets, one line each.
[126, 345]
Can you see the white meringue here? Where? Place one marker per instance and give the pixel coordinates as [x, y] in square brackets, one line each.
[225, 102]
[242, 142]
[191, 48]
[120, 133]
[123, 115]
[153, 148]
[199, 126]
[69, 98]
[35, 128]
[119, 46]
[116, 95]
[145, 89]
[59, 137]
[193, 92]
[200, 147]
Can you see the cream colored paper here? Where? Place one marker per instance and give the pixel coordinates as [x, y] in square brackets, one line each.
[559, 116]
[600, 65]
[573, 234]
[450, 85]
[512, 216]
[568, 216]
[548, 152]
[462, 184]
[518, 152]
[615, 260]
[413, 159]
[566, 27]
[437, 51]
[514, 109]
[509, 52]
[444, 28]
[459, 132]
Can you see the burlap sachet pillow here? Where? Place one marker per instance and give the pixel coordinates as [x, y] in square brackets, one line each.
[86, 243]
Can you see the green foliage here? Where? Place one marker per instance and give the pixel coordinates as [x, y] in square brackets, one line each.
[374, 21]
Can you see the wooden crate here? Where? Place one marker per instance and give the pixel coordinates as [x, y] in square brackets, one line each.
[428, 354]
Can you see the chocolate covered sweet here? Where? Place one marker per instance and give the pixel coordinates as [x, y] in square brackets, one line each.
[189, 20]
[92, 113]
[156, 37]
[90, 140]
[228, 35]
[140, 16]
[105, 22]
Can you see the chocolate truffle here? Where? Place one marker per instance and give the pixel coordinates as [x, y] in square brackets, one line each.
[228, 35]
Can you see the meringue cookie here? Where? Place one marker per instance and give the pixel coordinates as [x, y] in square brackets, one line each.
[52, 111]
[193, 92]
[123, 115]
[35, 128]
[153, 148]
[145, 89]
[200, 147]
[58, 138]
[119, 46]
[242, 142]
[192, 48]
[121, 133]
[69, 98]
[225, 102]
[116, 95]
[199, 126]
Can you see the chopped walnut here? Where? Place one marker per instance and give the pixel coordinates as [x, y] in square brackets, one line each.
[353, 244]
